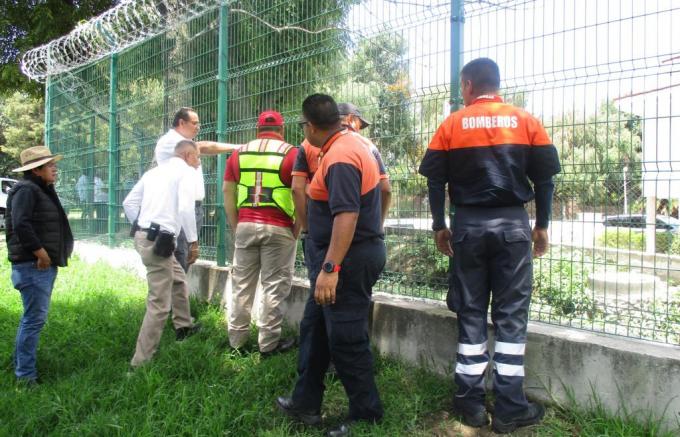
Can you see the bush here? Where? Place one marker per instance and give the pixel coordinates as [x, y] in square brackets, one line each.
[561, 283]
[675, 245]
[630, 239]
[417, 259]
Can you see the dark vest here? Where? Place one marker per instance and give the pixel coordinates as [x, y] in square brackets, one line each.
[48, 221]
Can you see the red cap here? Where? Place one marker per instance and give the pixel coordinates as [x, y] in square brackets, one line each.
[269, 118]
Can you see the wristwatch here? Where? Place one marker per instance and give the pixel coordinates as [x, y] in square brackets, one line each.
[330, 267]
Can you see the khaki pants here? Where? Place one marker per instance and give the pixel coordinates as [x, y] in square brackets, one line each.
[266, 251]
[167, 286]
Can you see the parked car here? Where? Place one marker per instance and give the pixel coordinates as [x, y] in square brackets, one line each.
[6, 184]
[639, 221]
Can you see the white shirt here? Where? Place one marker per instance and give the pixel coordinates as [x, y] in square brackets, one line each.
[165, 195]
[100, 194]
[81, 188]
[165, 149]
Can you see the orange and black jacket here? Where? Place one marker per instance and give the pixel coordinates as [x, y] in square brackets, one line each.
[347, 180]
[487, 152]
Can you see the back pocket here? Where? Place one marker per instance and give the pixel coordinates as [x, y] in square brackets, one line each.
[516, 236]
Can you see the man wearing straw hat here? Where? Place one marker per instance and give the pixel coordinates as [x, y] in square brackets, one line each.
[39, 240]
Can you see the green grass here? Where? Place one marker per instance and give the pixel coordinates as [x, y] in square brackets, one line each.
[199, 387]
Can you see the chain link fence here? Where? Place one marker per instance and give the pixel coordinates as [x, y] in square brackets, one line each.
[601, 76]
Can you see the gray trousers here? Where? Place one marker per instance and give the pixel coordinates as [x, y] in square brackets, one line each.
[167, 286]
[267, 253]
[182, 249]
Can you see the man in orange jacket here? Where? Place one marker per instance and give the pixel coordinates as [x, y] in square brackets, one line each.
[488, 153]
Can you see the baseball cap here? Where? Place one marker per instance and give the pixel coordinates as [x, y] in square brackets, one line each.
[350, 109]
[269, 118]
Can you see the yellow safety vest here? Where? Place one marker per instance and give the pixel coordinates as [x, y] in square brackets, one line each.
[260, 182]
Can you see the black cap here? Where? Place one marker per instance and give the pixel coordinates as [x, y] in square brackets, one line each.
[350, 109]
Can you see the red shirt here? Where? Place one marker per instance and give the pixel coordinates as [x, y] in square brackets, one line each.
[268, 215]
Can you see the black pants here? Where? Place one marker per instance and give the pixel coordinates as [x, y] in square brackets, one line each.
[182, 249]
[491, 262]
[340, 332]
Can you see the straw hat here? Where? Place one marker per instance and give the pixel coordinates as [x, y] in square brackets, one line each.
[35, 157]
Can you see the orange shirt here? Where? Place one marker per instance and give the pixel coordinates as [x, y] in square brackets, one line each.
[346, 180]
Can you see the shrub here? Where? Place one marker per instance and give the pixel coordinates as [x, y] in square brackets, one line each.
[675, 245]
[635, 240]
[561, 283]
[416, 257]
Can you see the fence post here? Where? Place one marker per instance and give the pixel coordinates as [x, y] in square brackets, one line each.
[223, 61]
[457, 23]
[88, 207]
[48, 111]
[113, 149]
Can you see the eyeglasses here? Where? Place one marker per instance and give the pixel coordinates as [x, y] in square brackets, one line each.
[302, 124]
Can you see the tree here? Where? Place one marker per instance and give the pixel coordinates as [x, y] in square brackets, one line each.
[21, 126]
[279, 69]
[380, 64]
[593, 154]
[27, 24]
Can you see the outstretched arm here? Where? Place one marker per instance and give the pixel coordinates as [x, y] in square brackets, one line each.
[215, 148]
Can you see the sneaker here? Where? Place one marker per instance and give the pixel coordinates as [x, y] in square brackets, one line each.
[182, 334]
[531, 416]
[284, 345]
[342, 430]
[287, 406]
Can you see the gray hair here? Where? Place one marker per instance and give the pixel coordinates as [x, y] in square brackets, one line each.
[184, 144]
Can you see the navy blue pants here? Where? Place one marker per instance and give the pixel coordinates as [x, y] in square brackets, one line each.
[491, 263]
[340, 332]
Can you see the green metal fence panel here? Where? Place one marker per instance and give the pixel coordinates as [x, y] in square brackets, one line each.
[78, 103]
[224, 247]
[600, 75]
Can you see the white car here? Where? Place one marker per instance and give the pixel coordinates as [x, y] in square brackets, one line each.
[6, 184]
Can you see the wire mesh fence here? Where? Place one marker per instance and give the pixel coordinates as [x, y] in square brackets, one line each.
[600, 75]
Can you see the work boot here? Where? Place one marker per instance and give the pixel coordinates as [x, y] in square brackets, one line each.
[182, 334]
[284, 345]
[477, 419]
[287, 406]
[531, 416]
